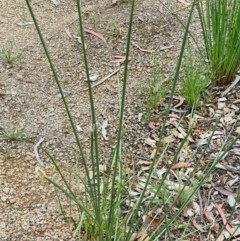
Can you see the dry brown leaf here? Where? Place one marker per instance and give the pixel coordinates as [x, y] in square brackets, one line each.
[184, 2]
[187, 212]
[178, 135]
[168, 139]
[225, 192]
[174, 116]
[184, 213]
[196, 208]
[151, 125]
[181, 165]
[215, 227]
[166, 47]
[145, 50]
[221, 237]
[110, 88]
[145, 163]
[142, 236]
[114, 2]
[24, 79]
[151, 221]
[150, 142]
[120, 59]
[175, 186]
[148, 51]
[238, 130]
[95, 34]
[156, 121]
[68, 33]
[182, 133]
[181, 100]
[160, 8]
[153, 154]
[198, 226]
[209, 216]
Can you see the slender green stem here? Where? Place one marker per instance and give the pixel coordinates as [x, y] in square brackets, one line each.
[166, 114]
[120, 128]
[61, 92]
[94, 146]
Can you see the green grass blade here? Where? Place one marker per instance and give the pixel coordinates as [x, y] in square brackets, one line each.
[119, 138]
[94, 136]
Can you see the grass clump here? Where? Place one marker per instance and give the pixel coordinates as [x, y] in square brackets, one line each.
[157, 88]
[220, 22]
[196, 80]
[15, 134]
[8, 57]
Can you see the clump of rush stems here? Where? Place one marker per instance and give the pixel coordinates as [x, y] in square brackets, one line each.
[220, 22]
[196, 79]
[103, 206]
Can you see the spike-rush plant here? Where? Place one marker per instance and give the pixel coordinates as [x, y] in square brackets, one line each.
[220, 22]
[105, 208]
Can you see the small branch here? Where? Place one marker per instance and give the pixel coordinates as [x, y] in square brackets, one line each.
[228, 168]
[103, 79]
[224, 93]
[201, 205]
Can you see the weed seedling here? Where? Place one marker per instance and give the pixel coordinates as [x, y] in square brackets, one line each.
[142, 42]
[116, 28]
[93, 18]
[6, 154]
[8, 57]
[157, 89]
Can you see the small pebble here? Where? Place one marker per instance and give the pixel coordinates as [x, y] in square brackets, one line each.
[4, 198]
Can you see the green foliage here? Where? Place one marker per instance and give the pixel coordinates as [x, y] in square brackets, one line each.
[196, 79]
[142, 42]
[221, 23]
[8, 57]
[15, 134]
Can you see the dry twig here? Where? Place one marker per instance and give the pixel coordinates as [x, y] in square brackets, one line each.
[103, 79]
[36, 151]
